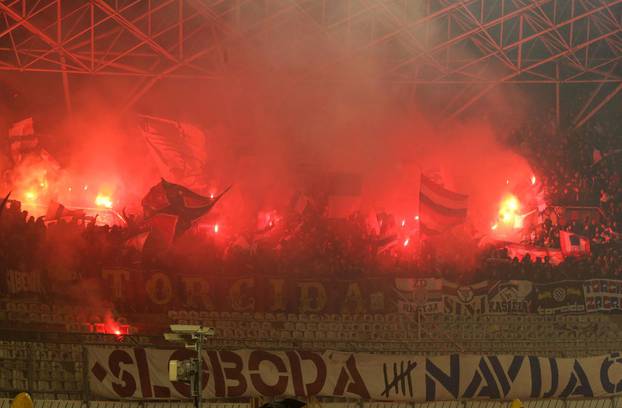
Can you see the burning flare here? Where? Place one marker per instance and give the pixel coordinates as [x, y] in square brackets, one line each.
[103, 201]
[31, 195]
[509, 214]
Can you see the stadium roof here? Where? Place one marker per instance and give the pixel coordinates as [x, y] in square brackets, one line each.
[471, 45]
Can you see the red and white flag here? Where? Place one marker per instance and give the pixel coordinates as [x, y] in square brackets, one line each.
[573, 244]
[22, 139]
[519, 251]
[439, 208]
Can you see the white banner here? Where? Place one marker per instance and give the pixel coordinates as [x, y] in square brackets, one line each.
[138, 373]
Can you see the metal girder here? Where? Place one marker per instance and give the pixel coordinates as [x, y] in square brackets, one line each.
[599, 106]
[476, 45]
[581, 46]
[130, 27]
[152, 81]
[23, 21]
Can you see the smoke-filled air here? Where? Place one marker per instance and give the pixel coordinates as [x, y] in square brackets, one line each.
[284, 149]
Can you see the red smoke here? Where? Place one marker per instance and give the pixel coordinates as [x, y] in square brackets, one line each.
[275, 125]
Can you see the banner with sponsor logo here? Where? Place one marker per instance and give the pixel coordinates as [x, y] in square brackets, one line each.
[138, 373]
[560, 297]
[602, 295]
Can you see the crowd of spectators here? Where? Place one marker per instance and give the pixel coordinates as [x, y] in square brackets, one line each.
[576, 171]
[579, 168]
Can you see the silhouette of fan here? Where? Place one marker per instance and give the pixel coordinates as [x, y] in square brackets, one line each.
[284, 403]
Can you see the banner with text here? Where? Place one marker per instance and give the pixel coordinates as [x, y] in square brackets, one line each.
[157, 292]
[440, 296]
[560, 297]
[138, 373]
[602, 295]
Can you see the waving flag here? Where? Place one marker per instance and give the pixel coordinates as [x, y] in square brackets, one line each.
[57, 211]
[178, 203]
[344, 194]
[389, 234]
[439, 208]
[519, 251]
[179, 149]
[22, 139]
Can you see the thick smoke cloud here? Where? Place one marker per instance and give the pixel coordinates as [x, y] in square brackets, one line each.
[280, 116]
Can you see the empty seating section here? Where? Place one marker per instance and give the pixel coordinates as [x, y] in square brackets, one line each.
[583, 334]
[55, 366]
[45, 368]
[57, 317]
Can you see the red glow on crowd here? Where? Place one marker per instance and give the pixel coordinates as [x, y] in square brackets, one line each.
[266, 220]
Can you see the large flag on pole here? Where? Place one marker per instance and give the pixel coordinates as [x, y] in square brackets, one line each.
[439, 208]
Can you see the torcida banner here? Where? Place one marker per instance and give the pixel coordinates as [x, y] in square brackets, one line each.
[140, 373]
[157, 293]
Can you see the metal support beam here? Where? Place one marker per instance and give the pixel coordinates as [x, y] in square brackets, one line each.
[488, 88]
[557, 101]
[599, 106]
[126, 24]
[466, 43]
[59, 39]
[36, 31]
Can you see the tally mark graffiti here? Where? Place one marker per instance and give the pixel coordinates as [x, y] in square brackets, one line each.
[400, 379]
